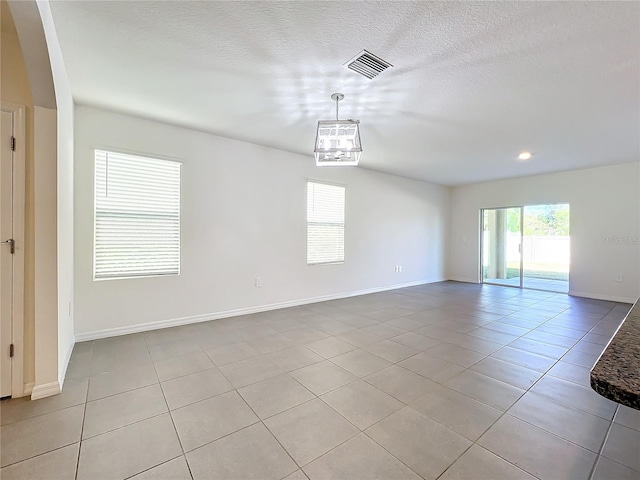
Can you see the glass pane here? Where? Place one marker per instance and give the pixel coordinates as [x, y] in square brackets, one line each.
[325, 223]
[546, 247]
[137, 216]
[501, 238]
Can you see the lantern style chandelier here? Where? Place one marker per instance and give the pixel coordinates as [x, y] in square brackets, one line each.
[338, 141]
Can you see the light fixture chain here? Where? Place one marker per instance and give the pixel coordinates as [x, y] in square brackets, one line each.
[337, 100]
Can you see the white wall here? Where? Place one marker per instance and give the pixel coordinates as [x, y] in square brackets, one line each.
[605, 204]
[64, 203]
[243, 216]
[46, 289]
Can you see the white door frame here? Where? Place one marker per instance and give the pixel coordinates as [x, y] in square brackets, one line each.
[19, 215]
[482, 219]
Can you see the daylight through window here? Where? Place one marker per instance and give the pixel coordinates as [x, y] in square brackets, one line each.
[137, 216]
[325, 223]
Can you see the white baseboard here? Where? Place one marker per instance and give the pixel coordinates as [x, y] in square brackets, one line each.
[28, 389]
[464, 279]
[596, 296]
[63, 371]
[45, 390]
[174, 322]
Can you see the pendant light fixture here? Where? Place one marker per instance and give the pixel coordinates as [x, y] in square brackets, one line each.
[338, 141]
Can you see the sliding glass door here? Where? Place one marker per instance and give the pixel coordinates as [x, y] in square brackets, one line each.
[526, 247]
[501, 251]
[546, 247]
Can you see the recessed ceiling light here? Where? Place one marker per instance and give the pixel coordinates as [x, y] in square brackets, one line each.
[524, 156]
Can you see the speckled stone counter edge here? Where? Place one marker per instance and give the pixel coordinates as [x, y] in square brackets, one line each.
[616, 374]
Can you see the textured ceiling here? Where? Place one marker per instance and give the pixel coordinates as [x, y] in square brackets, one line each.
[473, 84]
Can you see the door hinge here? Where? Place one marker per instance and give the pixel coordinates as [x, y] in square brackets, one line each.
[13, 144]
[11, 351]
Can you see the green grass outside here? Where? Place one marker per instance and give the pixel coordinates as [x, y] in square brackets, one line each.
[542, 274]
[546, 275]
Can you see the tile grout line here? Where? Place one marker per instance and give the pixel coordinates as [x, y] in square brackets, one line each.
[84, 416]
[358, 377]
[318, 397]
[526, 391]
[41, 454]
[392, 413]
[604, 442]
[507, 410]
[170, 416]
[163, 463]
[363, 432]
[261, 421]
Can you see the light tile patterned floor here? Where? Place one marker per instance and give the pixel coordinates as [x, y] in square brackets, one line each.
[447, 380]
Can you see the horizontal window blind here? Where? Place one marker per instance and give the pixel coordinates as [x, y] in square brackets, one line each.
[137, 216]
[325, 223]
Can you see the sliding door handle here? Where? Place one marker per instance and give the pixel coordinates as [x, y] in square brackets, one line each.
[12, 244]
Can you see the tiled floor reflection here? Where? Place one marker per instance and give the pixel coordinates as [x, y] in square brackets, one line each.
[447, 380]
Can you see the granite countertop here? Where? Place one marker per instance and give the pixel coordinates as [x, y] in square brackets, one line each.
[616, 374]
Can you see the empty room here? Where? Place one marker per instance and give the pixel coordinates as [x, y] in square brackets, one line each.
[319, 240]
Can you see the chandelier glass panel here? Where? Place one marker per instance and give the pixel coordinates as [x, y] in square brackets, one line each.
[338, 141]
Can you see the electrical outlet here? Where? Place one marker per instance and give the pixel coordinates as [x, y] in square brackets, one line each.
[399, 268]
[69, 308]
[258, 282]
[618, 278]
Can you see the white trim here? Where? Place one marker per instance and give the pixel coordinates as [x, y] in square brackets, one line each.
[174, 322]
[19, 185]
[597, 296]
[464, 279]
[326, 182]
[28, 388]
[62, 372]
[45, 390]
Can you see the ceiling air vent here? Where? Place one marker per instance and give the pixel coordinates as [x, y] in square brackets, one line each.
[367, 64]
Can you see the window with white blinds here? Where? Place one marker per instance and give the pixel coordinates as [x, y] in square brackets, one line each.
[325, 223]
[137, 216]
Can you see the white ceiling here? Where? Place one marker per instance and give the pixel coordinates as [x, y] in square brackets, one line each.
[473, 84]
